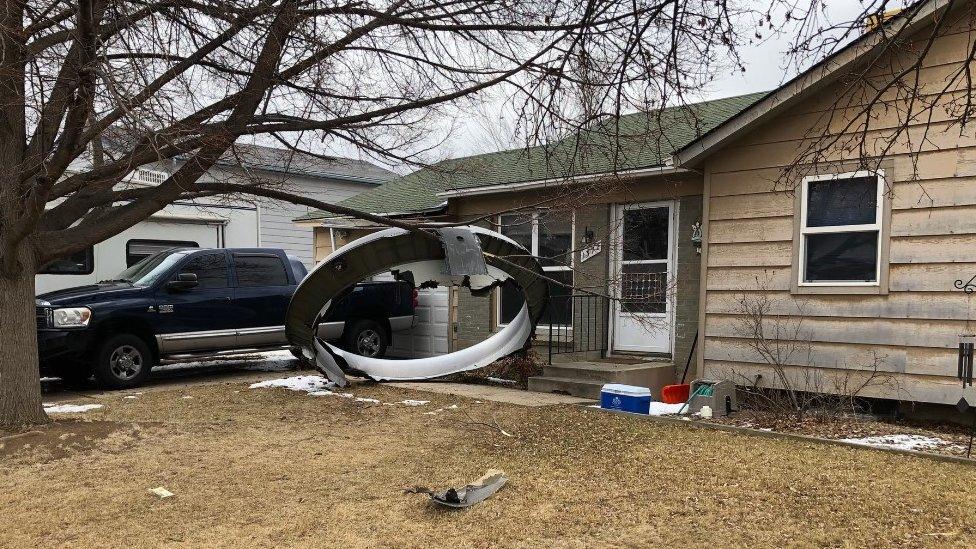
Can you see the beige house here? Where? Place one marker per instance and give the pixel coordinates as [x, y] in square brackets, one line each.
[825, 268]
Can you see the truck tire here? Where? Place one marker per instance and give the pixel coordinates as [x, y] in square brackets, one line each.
[122, 361]
[367, 338]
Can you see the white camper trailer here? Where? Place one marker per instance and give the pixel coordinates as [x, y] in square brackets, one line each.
[179, 225]
[211, 224]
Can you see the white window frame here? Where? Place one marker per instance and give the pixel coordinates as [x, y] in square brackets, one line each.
[876, 226]
[535, 251]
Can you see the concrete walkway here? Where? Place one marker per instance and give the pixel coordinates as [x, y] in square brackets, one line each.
[491, 393]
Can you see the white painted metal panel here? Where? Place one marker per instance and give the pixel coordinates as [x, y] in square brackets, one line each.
[429, 336]
[431, 330]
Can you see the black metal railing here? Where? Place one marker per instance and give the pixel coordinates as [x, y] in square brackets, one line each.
[583, 328]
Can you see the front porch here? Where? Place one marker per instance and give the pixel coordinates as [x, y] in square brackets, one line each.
[586, 378]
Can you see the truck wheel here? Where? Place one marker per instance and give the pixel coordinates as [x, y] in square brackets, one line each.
[123, 361]
[367, 338]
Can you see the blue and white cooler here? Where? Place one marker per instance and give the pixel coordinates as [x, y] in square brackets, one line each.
[626, 398]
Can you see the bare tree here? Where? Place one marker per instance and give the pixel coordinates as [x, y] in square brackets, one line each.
[92, 89]
[773, 331]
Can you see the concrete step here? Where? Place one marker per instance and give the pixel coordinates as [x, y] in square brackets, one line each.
[570, 386]
[645, 374]
[598, 371]
[653, 375]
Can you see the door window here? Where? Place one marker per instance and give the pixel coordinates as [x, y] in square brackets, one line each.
[211, 270]
[260, 270]
[644, 265]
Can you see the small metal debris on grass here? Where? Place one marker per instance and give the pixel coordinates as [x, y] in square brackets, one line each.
[163, 493]
[473, 493]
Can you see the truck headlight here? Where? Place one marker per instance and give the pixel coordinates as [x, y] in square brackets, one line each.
[71, 317]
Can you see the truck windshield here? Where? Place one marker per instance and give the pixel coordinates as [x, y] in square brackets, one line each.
[150, 269]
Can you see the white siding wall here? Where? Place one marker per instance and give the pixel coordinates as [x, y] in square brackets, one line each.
[279, 231]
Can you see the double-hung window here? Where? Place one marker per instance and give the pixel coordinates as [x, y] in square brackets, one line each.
[841, 230]
[547, 234]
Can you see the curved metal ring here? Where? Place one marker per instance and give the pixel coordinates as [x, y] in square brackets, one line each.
[391, 248]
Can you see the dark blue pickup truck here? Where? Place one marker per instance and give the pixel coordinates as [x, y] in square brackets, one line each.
[187, 303]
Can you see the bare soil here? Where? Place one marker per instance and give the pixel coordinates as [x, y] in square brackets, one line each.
[276, 468]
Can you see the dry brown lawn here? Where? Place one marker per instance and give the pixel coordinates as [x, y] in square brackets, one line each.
[275, 468]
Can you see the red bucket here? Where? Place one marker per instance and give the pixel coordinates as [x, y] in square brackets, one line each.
[675, 394]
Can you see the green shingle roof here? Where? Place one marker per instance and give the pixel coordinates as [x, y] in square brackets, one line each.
[632, 141]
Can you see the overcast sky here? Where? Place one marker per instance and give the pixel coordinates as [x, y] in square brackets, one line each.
[489, 127]
[765, 70]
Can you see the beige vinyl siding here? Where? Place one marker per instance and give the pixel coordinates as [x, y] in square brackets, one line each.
[750, 229]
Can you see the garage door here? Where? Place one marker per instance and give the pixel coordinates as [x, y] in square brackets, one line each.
[429, 336]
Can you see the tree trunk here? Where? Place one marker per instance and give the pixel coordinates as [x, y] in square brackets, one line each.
[20, 386]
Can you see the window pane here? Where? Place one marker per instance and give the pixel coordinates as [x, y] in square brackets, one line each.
[645, 234]
[851, 201]
[211, 270]
[136, 250]
[560, 308]
[842, 257]
[644, 288]
[260, 270]
[555, 238]
[82, 262]
[518, 227]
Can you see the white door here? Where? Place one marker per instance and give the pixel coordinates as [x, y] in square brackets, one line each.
[643, 277]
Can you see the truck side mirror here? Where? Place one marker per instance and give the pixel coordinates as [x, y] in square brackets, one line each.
[183, 282]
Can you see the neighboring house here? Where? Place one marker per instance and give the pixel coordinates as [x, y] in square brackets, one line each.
[242, 222]
[856, 258]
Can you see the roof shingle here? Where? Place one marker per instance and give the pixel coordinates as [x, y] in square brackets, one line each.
[638, 140]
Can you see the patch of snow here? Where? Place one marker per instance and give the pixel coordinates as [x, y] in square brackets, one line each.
[186, 396]
[410, 402]
[49, 379]
[899, 442]
[327, 392]
[308, 384]
[70, 408]
[369, 400]
[324, 393]
[130, 397]
[502, 381]
[439, 410]
[269, 361]
[663, 409]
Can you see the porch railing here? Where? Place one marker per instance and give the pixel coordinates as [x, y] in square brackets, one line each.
[586, 329]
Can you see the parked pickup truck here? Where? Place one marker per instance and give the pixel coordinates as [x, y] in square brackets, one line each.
[187, 303]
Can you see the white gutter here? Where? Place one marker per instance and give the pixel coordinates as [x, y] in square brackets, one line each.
[816, 77]
[539, 183]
